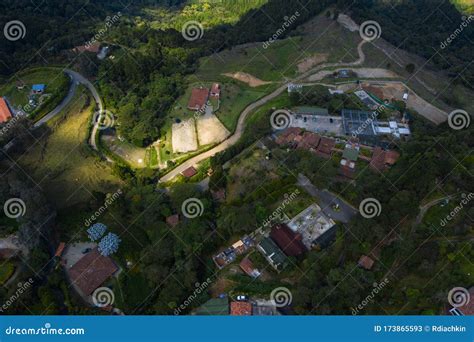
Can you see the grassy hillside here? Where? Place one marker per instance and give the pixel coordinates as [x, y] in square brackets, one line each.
[62, 164]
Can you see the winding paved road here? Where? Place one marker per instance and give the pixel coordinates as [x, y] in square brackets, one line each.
[76, 79]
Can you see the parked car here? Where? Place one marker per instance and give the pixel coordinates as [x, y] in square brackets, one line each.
[242, 298]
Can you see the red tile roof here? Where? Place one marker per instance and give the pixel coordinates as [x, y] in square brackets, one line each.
[309, 140]
[289, 242]
[366, 262]
[198, 98]
[247, 266]
[288, 136]
[218, 195]
[240, 309]
[325, 147]
[382, 159]
[91, 271]
[391, 157]
[189, 172]
[173, 220]
[95, 47]
[5, 113]
[60, 249]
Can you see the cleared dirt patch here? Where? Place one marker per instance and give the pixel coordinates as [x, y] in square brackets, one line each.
[184, 136]
[309, 62]
[347, 22]
[361, 72]
[211, 130]
[252, 81]
[394, 91]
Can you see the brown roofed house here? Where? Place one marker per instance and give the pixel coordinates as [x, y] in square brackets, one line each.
[218, 195]
[189, 172]
[172, 220]
[247, 266]
[91, 271]
[366, 262]
[289, 136]
[240, 309]
[289, 242]
[60, 250]
[95, 47]
[5, 112]
[381, 159]
[325, 147]
[198, 98]
[309, 141]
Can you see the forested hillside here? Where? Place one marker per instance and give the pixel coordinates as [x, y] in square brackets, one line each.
[421, 27]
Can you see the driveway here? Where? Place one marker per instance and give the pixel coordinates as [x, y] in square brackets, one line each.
[327, 201]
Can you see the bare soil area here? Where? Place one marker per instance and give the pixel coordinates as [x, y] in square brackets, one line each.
[211, 130]
[252, 81]
[184, 136]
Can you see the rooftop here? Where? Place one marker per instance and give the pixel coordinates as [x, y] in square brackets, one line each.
[289, 241]
[5, 113]
[240, 309]
[91, 271]
[173, 220]
[189, 172]
[366, 262]
[198, 98]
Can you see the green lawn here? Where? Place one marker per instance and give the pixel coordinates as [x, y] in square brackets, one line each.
[280, 59]
[57, 84]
